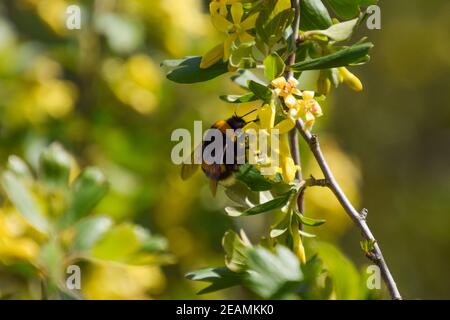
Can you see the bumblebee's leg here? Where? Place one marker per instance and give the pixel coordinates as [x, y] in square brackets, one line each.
[213, 186]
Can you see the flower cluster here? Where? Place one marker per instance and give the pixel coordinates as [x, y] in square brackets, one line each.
[266, 125]
[236, 29]
[300, 104]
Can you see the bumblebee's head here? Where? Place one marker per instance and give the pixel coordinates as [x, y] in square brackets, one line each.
[236, 122]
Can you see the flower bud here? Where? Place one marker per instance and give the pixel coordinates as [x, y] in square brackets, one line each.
[350, 79]
[324, 86]
[300, 252]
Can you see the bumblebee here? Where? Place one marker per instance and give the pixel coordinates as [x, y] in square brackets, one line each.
[218, 172]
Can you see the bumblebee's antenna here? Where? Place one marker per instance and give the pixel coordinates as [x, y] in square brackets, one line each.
[256, 120]
[246, 113]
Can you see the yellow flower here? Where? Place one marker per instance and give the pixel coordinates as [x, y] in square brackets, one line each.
[55, 97]
[287, 164]
[287, 89]
[115, 281]
[16, 241]
[350, 79]
[298, 247]
[220, 6]
[306, 107]
[135, 82]
[323, 84]
[212, 57]
[266, 116]
[235, 29]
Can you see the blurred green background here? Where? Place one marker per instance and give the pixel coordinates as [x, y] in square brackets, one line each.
[101, 93]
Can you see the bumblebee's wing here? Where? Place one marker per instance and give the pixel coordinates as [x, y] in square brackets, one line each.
[236, 146]
[188, 168]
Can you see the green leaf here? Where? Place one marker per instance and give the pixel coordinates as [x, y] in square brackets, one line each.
[314, 15]
[340, 31]
[345, 276]
[316, 285]
[239, 99]
[22, 198]
[242, 195]
[273, 204]
[254, 180]
[367, 245]
[265, 12]
[260, 91]
[306, 234]
[303, 50]
[155, 244]
[19, 168]
[235, 251]
[130, 244]
[348, 9]
[242, 57]
[51, 257]
[310, 221]
[333, 75]
[273, 276]
[120, 243]
[55, 164]
[348, 56]
[188, 70]
[243, 77]
[277, 232]
[274, 66]
[219, 278]
[274, 30]
[281, 226]
[88, 231]
[235, 211]
[86, 192]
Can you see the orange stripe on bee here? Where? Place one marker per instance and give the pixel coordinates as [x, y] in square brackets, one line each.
[222, 125]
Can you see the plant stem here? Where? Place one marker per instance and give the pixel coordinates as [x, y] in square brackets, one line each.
[295, 4]
[293, 137]
[359, 218]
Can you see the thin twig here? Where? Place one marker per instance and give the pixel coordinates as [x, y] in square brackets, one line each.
[359, 218]
[295, 152]
[313, 182]
[293, 137]
[295, 4]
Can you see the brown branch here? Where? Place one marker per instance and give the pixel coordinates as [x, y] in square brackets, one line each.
[359, 218]
[313, 182]
[295, 152]
[295, 4]
[293, 137]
